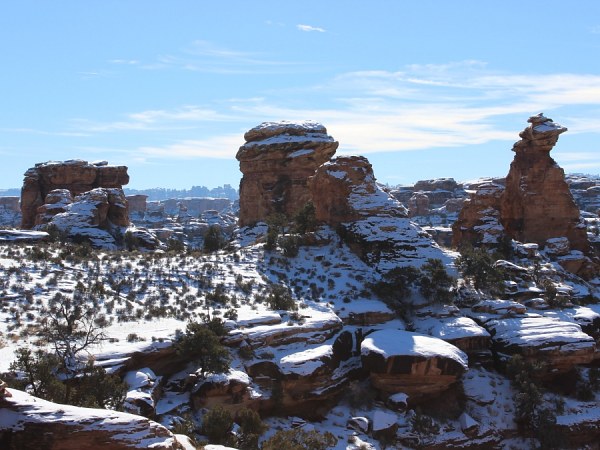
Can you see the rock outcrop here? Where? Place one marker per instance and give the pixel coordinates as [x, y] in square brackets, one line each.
[10, 212]
[137, 205]
[345, 190]
[535, 205]
[276, 161]
[560, 345]
[415, 364]
[30, 423]
[76, 176]
[98, 215]
[370, 220]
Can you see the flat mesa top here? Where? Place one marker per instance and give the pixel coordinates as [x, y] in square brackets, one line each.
[269, 129]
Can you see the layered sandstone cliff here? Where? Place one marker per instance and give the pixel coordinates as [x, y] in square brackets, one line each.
[76, 176]
[276, 161]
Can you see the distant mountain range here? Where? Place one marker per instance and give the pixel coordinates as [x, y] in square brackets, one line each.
[225, 191]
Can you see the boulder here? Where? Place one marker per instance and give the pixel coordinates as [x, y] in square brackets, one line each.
[479, 219]
[276, 162]
[461, 332]
[307, 380]
[411, 363]
[10, 212]
[76, 176]
[30, 423]
[560, 345]
[232, 390]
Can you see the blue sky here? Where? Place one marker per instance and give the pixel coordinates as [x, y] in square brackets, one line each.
[422, 88]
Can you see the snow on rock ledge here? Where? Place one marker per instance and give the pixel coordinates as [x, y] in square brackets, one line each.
[561, 345]
[29, 422]
[401, 361]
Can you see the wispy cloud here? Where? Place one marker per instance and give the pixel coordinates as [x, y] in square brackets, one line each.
[225, 146]
[127, 62]
[310, 28]
[156, 120]
[208, 57]
[448, 105]
[415, 108]
[34, 131]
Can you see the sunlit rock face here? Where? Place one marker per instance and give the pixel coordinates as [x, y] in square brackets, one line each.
[76, 176]
[369, 219]
[344, 189]
[535, 203]
[276, 162]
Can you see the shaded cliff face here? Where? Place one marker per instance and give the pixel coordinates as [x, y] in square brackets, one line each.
[276, 161]
[76, 176]
[534, 205]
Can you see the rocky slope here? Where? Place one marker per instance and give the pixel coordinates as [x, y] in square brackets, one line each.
[312, 344]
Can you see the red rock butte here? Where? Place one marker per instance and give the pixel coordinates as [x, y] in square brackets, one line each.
[535, 205]
[76, 176]
[276, 162]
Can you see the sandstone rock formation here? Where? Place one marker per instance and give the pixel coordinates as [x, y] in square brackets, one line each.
[30, 423]
[560, 345]
[10, 212]
[276, 161]
[344, 190]
[137, 205]
[535, 205]
[76, 176]
[370, 220]
[92, 215]
[415, 364]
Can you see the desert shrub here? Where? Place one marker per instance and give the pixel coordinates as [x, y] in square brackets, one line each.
[290, 245]
[175, 246]
[396, 285]
[530, 412]
[435, 283]
[131, 241]
[251, 429]
[37, 374]
[202, 343]
[275, 224]
[423, 424]
[477, 266]
[93, 387]
[213, 239]
[305, 219]
[279, 298]
[299, 439]
[217, 425]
